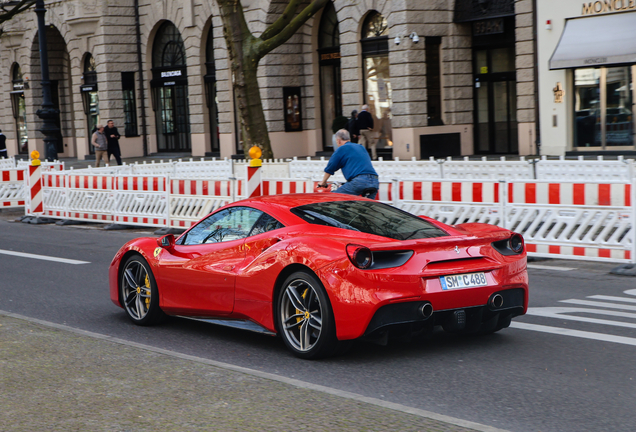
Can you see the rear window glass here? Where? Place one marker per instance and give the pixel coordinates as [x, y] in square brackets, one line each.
[369, 217]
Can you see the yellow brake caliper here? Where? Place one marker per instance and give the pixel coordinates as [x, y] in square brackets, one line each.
[148, 292]
[298, 312]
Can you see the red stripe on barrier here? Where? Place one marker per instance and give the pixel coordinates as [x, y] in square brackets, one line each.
[531, 193]
[554, 249]
[95, 186]
[21, 175]
[628, 195]
[145, 183]
[496, 192]
[85, 182]
[554, 193]
[279, 187]
[417, 191]
[437, 192]
[511, 195]
[292, 187]
[240, 187]
[265, 188]
[628, 255]
[531, 247]
[578, 251]
[390, 192]
[477, 192]
[578, 194]
[457, 192]
[604, 196]
[5, 176]
[401, 191]
[604, 253]
[181, 187]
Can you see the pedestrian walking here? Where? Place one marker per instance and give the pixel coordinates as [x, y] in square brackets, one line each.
[352, 127]
[112, 136]
[3, 146]
[368, 138]
[356, 167]
[100, 143]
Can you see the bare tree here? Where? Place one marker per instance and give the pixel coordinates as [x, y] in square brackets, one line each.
[11, 8]
[246, 50]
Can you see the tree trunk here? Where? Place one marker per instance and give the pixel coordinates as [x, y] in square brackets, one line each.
[244, 66]
[245, 51]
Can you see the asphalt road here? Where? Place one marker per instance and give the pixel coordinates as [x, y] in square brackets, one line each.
[566, 366]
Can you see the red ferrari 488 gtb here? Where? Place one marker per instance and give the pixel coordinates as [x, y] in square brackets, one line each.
[323, 269]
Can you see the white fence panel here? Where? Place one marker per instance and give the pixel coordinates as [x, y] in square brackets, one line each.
[13, 188]
[55, 193]
[142, 200]
[214, 169]
[191, 200]
[7, 163]
[485, 169]
[90, 197]
[585, 170]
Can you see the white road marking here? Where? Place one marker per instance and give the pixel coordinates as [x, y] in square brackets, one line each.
[42, 257]
[545, 267]
[560, 313]
[598, 304]
[575, 333]
[612, 298]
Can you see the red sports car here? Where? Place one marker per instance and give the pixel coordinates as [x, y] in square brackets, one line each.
[323, 269]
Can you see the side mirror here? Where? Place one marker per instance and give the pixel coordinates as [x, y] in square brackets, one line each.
[166, 242]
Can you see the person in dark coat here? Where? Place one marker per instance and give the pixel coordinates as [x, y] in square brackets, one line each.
[367, 136]
[3, 146]
[113, 141]
[352, 127]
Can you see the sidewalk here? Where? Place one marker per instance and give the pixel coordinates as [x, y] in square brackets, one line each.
[56, 379]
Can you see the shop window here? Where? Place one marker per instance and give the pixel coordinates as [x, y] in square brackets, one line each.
[375, 53]
[433, 81]
[19, 110]
[211, 99]
[603, 107]
[130, 105]
[330, 74]
[170, 90]
[90, 96]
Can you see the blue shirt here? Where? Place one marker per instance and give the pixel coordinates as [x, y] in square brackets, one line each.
[353, 159]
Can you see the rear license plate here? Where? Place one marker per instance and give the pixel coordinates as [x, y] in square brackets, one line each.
[468, 280]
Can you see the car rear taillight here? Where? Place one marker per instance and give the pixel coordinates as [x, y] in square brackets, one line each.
[360, 256]
[510, 246]
[516, 243]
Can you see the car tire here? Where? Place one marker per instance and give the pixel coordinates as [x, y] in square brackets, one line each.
[138, 292]
[304, 317]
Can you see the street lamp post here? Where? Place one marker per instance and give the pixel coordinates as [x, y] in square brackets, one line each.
[47, 113]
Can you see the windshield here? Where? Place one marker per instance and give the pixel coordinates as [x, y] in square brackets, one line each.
[369, 217]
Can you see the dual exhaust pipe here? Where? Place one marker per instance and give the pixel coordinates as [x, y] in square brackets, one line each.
[495, 302]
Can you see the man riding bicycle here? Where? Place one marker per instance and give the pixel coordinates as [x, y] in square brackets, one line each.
[353, 159]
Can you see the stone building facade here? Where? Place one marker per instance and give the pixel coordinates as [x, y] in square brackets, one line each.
[452, 77]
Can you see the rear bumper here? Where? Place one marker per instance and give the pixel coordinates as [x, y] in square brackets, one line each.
[409, 315]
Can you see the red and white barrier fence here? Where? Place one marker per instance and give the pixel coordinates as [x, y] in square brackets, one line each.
[587, 220]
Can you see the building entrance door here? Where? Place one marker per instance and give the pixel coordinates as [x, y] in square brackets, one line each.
[495, 102]
[172, 118]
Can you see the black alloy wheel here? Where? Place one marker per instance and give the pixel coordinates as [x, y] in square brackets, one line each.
[305, 318]
[138, 292]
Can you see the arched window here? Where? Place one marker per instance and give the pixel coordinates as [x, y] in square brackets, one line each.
[19, 109]
[90, 96]
[170, 90]
[375, 54]
[330, 76]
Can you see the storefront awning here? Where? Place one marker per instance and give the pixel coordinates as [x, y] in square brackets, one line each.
[596, 41]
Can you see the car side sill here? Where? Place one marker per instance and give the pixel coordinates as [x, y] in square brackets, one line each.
[239, 324]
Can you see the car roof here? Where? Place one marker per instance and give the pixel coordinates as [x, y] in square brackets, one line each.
[295, 200]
